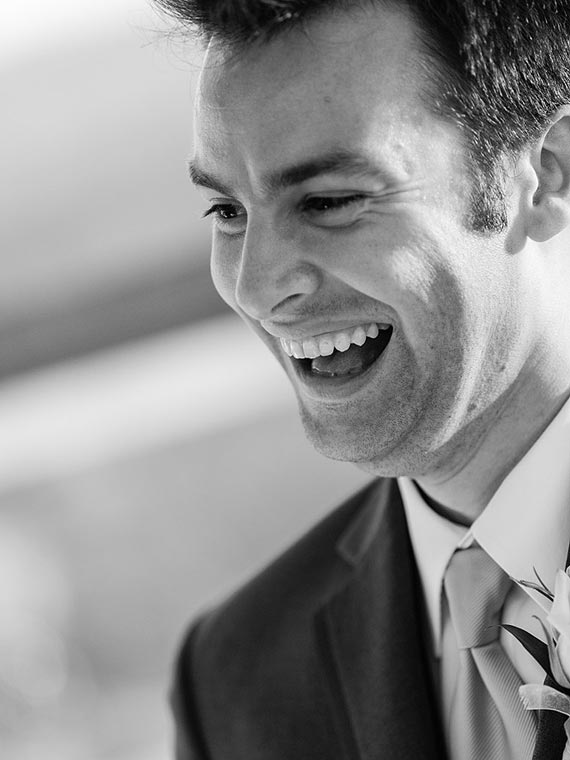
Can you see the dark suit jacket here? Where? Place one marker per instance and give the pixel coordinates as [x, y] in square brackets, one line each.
[322, 655]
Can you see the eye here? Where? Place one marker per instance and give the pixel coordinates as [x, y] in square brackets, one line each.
[230, 218]
[334, 210]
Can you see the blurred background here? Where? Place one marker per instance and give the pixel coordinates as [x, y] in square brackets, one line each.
[150, 453]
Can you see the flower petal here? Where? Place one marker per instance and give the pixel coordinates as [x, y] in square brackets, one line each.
[557, 670]
[539, 697]
[563, 653]
[559, 616]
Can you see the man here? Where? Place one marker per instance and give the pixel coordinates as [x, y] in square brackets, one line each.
[389, 183]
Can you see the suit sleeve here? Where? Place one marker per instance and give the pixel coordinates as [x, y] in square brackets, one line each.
[189, 740]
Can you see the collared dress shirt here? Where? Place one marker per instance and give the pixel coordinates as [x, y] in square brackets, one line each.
[526, 525]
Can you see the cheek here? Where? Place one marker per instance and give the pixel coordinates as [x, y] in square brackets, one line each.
[384, 257]
[411, 278]
[224, 269]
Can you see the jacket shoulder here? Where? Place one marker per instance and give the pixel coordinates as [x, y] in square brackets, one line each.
[298, 580]
[255, 655]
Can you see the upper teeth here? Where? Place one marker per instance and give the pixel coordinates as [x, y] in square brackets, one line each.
[325, 344]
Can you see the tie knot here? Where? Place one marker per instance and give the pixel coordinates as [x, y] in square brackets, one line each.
[476, 588]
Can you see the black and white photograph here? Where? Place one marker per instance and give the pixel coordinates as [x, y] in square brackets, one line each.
[285, 380]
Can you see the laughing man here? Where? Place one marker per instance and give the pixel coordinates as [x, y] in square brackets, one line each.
[389, 183]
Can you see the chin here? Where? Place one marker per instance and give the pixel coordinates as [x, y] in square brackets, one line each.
[385, 448]
[344, 442]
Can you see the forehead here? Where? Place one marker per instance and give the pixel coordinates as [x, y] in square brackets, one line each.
[344, 80]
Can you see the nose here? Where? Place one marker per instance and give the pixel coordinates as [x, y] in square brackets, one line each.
[275, 277]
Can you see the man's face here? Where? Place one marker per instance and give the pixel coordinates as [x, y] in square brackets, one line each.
[339, 205]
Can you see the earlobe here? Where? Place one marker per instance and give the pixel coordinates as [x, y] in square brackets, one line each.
[549, 213]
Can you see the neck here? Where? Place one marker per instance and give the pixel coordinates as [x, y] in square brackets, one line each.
[470, 469]
[469, 485]
[450, 514]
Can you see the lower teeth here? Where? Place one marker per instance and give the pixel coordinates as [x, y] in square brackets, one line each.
[324, 373]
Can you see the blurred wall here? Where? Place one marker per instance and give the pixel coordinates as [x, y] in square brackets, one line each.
[151, 457]
[100, 239]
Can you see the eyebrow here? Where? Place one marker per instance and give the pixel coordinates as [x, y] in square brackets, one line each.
[337, 162]
[202, 178]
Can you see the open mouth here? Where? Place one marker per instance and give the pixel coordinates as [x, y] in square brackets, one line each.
[358, 351]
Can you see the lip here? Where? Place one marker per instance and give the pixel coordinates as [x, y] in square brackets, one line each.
[319, 330]
[333, 389]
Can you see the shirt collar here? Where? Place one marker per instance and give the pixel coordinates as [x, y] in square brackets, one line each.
[434, 539]
[526, 524]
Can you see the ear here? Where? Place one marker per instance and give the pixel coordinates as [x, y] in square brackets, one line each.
[550, 210]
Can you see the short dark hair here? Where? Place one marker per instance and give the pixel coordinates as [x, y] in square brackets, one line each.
[503, 67]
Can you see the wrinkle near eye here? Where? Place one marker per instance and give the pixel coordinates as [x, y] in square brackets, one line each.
[335, 210]
[332, 203]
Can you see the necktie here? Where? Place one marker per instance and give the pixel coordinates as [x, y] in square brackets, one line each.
[487, 719]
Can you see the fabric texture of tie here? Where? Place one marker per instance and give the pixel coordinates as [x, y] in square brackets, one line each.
[487, 719]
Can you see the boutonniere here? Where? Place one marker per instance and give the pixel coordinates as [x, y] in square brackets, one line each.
[554, 655]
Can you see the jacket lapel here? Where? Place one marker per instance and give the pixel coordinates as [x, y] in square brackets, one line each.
[370, 635]
[550, 736]
[371, 640]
